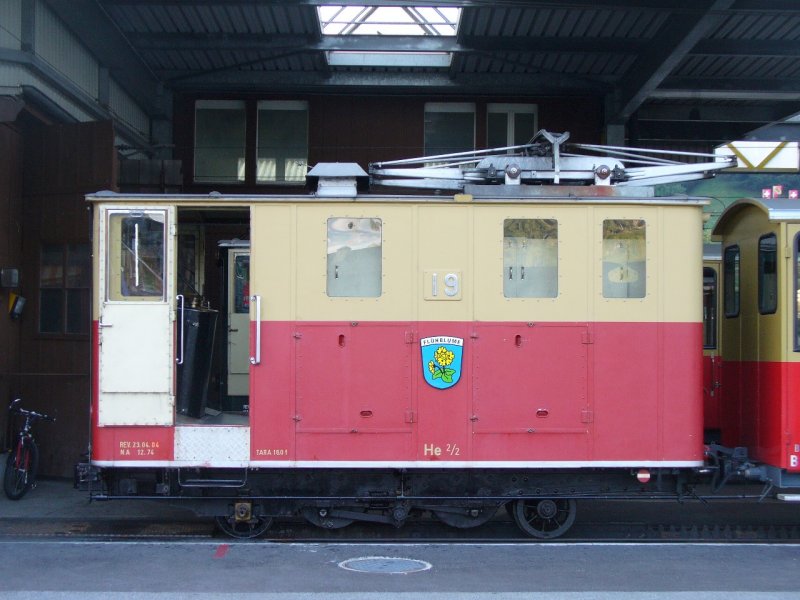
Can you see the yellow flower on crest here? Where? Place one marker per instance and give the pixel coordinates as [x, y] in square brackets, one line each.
[443, 356]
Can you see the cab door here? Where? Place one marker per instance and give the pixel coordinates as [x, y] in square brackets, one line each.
[136, 334]
[239, 322]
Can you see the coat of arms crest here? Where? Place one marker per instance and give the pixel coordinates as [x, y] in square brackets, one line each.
[441, 360]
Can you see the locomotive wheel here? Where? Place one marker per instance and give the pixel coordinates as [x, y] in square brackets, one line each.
[545, 517]
[320, 516]
[465, 518]
[250, 528]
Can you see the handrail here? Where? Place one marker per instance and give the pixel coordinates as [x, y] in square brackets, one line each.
[182, 313]
[256, 360]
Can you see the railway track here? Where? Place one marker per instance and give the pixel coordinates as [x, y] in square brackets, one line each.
[423, 530]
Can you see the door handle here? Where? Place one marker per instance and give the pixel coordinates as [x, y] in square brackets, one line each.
[256, 360]
[182, 300]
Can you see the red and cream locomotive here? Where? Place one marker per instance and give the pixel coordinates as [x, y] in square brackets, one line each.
[531, 339]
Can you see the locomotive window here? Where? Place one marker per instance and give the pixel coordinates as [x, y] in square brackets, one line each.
[530, 258]
[136, 256]
[354, 257]
[797, 293]
[709, 308]
[731, 274]
[624, 258]
[767, 274]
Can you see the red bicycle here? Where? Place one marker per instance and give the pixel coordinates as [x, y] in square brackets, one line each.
[22, 463]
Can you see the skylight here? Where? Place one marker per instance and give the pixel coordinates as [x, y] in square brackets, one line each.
[343, 19]
[385, 21]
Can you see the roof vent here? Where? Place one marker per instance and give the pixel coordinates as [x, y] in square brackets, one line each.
[337, 180]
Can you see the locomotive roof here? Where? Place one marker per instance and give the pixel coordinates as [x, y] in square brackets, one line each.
[776, 209]
[547, 195]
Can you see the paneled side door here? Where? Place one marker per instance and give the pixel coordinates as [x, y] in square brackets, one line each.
[136, 354]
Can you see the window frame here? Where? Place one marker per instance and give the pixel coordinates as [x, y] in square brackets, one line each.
[452, 108]
[113, 266]
[85, 303]
[604, 259]
[711, 324]
[732, 312]
[240, 176]
[293, 105]
[332, 268]
[510, 110]
[508, 273]
[796, 297]
[764, 309]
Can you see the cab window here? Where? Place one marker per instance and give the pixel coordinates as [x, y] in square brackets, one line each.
[354, 257]
[731, 273]
[530, 258]
[797, 293]
[767, 274]
[709, 308]
[624, 258]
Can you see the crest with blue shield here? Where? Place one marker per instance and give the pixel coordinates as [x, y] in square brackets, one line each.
[441, 360]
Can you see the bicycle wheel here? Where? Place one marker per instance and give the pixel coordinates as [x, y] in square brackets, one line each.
[21, 467]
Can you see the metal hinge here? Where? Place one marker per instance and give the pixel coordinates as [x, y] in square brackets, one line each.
[409, 337]
[409, 416]
[587, 338]
[587, 416]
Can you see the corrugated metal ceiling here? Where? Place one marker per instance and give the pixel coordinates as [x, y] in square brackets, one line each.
[632, 53]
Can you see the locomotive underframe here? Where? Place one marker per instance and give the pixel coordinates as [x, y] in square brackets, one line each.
[286, 492]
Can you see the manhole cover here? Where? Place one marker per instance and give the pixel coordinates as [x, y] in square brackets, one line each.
[384, 564]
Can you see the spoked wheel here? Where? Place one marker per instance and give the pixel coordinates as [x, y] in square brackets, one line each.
[464, 517]
[21, 467]
[326, 517]
[545, 518]
[244, 529]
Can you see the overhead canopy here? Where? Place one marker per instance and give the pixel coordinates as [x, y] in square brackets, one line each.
[671, 70]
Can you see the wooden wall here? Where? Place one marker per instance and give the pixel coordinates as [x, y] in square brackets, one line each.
[10, 256]
[60, 164]
[366, 129]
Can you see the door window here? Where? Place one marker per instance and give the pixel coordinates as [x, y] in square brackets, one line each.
[136, 255]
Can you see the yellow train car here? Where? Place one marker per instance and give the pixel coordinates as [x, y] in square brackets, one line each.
[712, 339]
[760, 329]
